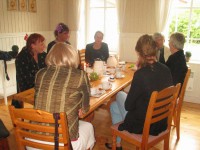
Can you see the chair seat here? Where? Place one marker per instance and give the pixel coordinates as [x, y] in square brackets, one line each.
[138, 137]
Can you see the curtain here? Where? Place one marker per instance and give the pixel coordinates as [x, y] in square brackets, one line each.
[121, 7]
[73, 18]
[163, 8]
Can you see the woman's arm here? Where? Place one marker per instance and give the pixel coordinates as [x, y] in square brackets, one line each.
[105, 51]
[88, 56]
[86, 94]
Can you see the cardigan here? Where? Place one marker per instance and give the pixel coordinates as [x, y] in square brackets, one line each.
[178, 67]
[52, 43]
[26, 68]
[62, 89]
[91, 54]
[146, 80]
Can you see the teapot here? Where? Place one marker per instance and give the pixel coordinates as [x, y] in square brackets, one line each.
[111, 61]
[98, 66]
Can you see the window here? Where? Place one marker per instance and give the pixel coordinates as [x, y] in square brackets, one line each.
[100, 15]
[185, 18]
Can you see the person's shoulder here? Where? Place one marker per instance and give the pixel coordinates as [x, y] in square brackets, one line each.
[41, 72]
[22, 53]
[104, 43]
[90, 45]
[43, 54]
[52, 43]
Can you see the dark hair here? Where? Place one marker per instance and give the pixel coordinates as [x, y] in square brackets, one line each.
[61, 27]
[98, 32]
[32, 39]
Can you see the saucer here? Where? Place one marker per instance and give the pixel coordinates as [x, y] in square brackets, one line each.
[99, 93]
[122, 76]
[100, 87]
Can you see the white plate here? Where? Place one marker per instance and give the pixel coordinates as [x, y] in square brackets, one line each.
[100, 87]
[122, 76]
[99, 93]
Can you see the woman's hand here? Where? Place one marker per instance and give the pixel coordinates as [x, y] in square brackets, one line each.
[80, 112]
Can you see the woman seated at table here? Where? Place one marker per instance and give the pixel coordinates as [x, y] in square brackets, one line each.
[61, 34]
[176, 61]
[132, 107]
[28, 62]
[61, 87]
[97, 49]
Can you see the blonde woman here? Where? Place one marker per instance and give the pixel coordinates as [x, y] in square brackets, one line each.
[61, 87]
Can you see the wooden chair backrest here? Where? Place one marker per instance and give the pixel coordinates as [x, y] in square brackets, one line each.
[182, 92]
[161, 105]
[42, 127]
[82, 56]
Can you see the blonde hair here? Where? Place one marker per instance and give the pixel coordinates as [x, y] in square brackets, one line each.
[147, 49]
[62, 54]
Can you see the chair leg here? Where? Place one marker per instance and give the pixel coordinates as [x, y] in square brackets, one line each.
[113, 141]
[137, 148]
[166, 143]
[4, 144]
[178, 128]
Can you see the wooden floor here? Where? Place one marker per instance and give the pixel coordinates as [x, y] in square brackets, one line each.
[190, 129]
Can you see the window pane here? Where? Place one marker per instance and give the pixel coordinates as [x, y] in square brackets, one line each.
[96, 3]
[180, 21]
[196, 3]
[194, 40]
[94, 23]
[110, 3]
[182, 3]
[111, 28]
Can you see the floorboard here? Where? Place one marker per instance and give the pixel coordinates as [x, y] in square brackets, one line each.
[189, 138]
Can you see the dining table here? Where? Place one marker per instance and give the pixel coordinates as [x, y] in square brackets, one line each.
[118, 84]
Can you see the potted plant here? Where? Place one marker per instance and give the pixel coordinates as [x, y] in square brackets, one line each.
[187, 56]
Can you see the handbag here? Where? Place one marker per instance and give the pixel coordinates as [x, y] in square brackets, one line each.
[4, 133]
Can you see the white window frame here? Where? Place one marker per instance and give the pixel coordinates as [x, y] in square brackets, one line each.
[187, 44]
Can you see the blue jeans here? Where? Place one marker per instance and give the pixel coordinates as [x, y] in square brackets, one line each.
[117, 110]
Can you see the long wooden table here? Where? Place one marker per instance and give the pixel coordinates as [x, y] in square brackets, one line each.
[118, 85]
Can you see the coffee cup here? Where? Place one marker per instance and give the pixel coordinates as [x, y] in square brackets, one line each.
[106, 85]
[93, 91]
[119, 74]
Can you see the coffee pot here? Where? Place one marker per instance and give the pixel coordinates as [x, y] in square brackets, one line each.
[98, 66]
[111, 61]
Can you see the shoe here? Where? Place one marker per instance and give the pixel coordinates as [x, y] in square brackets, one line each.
[109, 146]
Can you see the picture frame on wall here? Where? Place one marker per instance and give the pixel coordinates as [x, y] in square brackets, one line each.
[32, 5]
[22, 5]
[12, 5]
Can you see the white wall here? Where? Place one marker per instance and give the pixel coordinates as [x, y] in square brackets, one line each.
[13, 27]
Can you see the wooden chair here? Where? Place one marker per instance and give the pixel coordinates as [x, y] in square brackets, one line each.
[3, 136]
[161, 105]
[178, 106]
[82, 57]
[27, 119]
